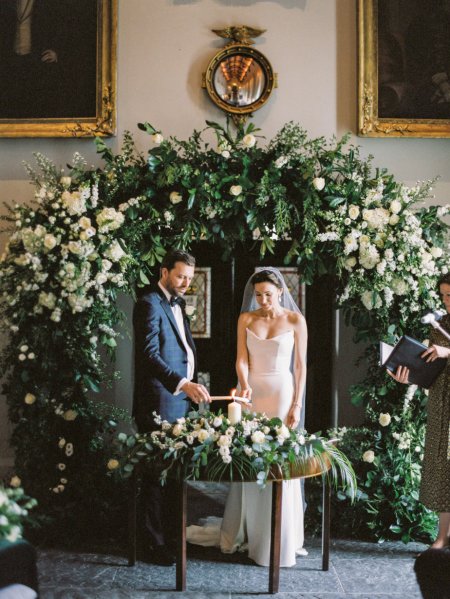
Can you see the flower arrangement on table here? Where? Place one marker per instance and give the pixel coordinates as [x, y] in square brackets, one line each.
[14, 510]
[207, 445]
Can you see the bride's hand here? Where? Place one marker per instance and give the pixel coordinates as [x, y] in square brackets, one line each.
[293, 417]
[247, 393]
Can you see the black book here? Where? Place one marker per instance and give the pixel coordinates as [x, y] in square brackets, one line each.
[407, 353]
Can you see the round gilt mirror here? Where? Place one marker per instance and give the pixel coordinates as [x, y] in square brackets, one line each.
[239, 79]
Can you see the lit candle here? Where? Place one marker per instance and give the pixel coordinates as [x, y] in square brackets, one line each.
[234, 410]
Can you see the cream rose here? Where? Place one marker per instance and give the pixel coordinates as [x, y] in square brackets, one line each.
[235, 190]
[395, 206]
[258, 437]
[318, 183]
[353, 211]
[249, 140]
[70, 415]
[203, 434]
[177, 430]
[157, 138]
[368, 456]
[49, 241]
[29, 399]
[15, 482]
[384, 419]
[112, 464]
[175, 197]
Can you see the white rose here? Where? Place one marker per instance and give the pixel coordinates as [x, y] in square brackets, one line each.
[114, 252]
[235, 190]
[368, 456]
[258, 437]
[49, 241]
[395, 206]
[350, 263]
[318, 183]
[353, 211]
[384, 419]
[217, 421]
[175, 197]
[224, 441]
[436, 252]
[281, 161]
[190, 310]
[157, 138]
[249, 140]
[225, 154]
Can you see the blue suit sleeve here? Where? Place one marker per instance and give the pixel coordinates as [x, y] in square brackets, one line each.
[148, 327]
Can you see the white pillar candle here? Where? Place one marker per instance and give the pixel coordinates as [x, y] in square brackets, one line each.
[234, 412]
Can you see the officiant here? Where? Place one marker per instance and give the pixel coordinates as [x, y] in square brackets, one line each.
[435, 483]
[165, 374]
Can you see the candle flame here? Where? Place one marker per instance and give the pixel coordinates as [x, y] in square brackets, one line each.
[233, 393]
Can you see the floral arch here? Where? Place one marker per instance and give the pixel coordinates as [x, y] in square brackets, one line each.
[93, 233]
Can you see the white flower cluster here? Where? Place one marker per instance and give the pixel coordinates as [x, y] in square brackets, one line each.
[255, 436]
[381, 244]
[65, 256]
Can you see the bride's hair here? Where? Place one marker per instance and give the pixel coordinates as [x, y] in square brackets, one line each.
[266, 276]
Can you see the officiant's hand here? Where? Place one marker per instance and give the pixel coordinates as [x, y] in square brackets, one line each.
[401, 375]
[196, 392]
[434, 352]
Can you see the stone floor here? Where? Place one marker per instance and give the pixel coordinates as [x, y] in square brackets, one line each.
[357, 570]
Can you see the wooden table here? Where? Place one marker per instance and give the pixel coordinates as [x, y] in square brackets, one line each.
[275, 545]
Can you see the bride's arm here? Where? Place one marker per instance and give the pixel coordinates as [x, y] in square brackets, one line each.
[242, 356]
[300, 343]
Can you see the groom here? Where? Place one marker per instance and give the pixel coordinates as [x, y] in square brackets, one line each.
[165, 371]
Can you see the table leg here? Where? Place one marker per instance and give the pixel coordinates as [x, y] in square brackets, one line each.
[132, 520]
[326, 505]
[181, 543]
[275, 537]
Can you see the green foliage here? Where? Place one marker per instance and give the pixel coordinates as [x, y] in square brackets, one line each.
[92, 234]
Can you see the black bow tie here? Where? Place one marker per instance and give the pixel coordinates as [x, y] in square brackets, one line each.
[177, 301]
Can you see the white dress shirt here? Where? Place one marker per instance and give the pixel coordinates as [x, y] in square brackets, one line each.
[178, 315]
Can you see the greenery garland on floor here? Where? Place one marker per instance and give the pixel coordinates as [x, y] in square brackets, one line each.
[90, 234]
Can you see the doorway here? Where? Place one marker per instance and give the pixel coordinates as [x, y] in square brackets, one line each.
[221, 288]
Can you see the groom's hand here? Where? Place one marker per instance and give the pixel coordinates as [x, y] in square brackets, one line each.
[197, 393]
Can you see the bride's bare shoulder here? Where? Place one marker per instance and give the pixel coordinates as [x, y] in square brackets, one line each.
[295, 318]
[246, 317]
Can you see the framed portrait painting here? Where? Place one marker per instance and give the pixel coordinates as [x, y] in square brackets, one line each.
[57, 68]
[404, 68]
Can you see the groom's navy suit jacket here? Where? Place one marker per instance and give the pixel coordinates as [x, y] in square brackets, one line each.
[160, 360]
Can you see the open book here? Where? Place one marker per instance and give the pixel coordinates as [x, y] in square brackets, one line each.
[407, 353]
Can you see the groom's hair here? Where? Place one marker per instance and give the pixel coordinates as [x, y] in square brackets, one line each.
[177, 256]
[266, 276]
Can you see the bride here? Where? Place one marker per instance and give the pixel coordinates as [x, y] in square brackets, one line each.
[271, 368]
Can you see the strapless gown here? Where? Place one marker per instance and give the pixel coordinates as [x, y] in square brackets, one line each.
[247, 516]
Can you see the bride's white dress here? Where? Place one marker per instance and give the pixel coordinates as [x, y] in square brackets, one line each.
[247, 517]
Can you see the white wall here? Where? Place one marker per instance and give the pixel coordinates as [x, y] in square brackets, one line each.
[163, 48]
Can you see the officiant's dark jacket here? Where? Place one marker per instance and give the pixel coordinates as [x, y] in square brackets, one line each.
[160, 360]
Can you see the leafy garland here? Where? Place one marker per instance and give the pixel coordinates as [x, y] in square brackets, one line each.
[89, 235]
[207, 445]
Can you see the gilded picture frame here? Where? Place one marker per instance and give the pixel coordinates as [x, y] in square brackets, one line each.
[403, 70]
[59, 74]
